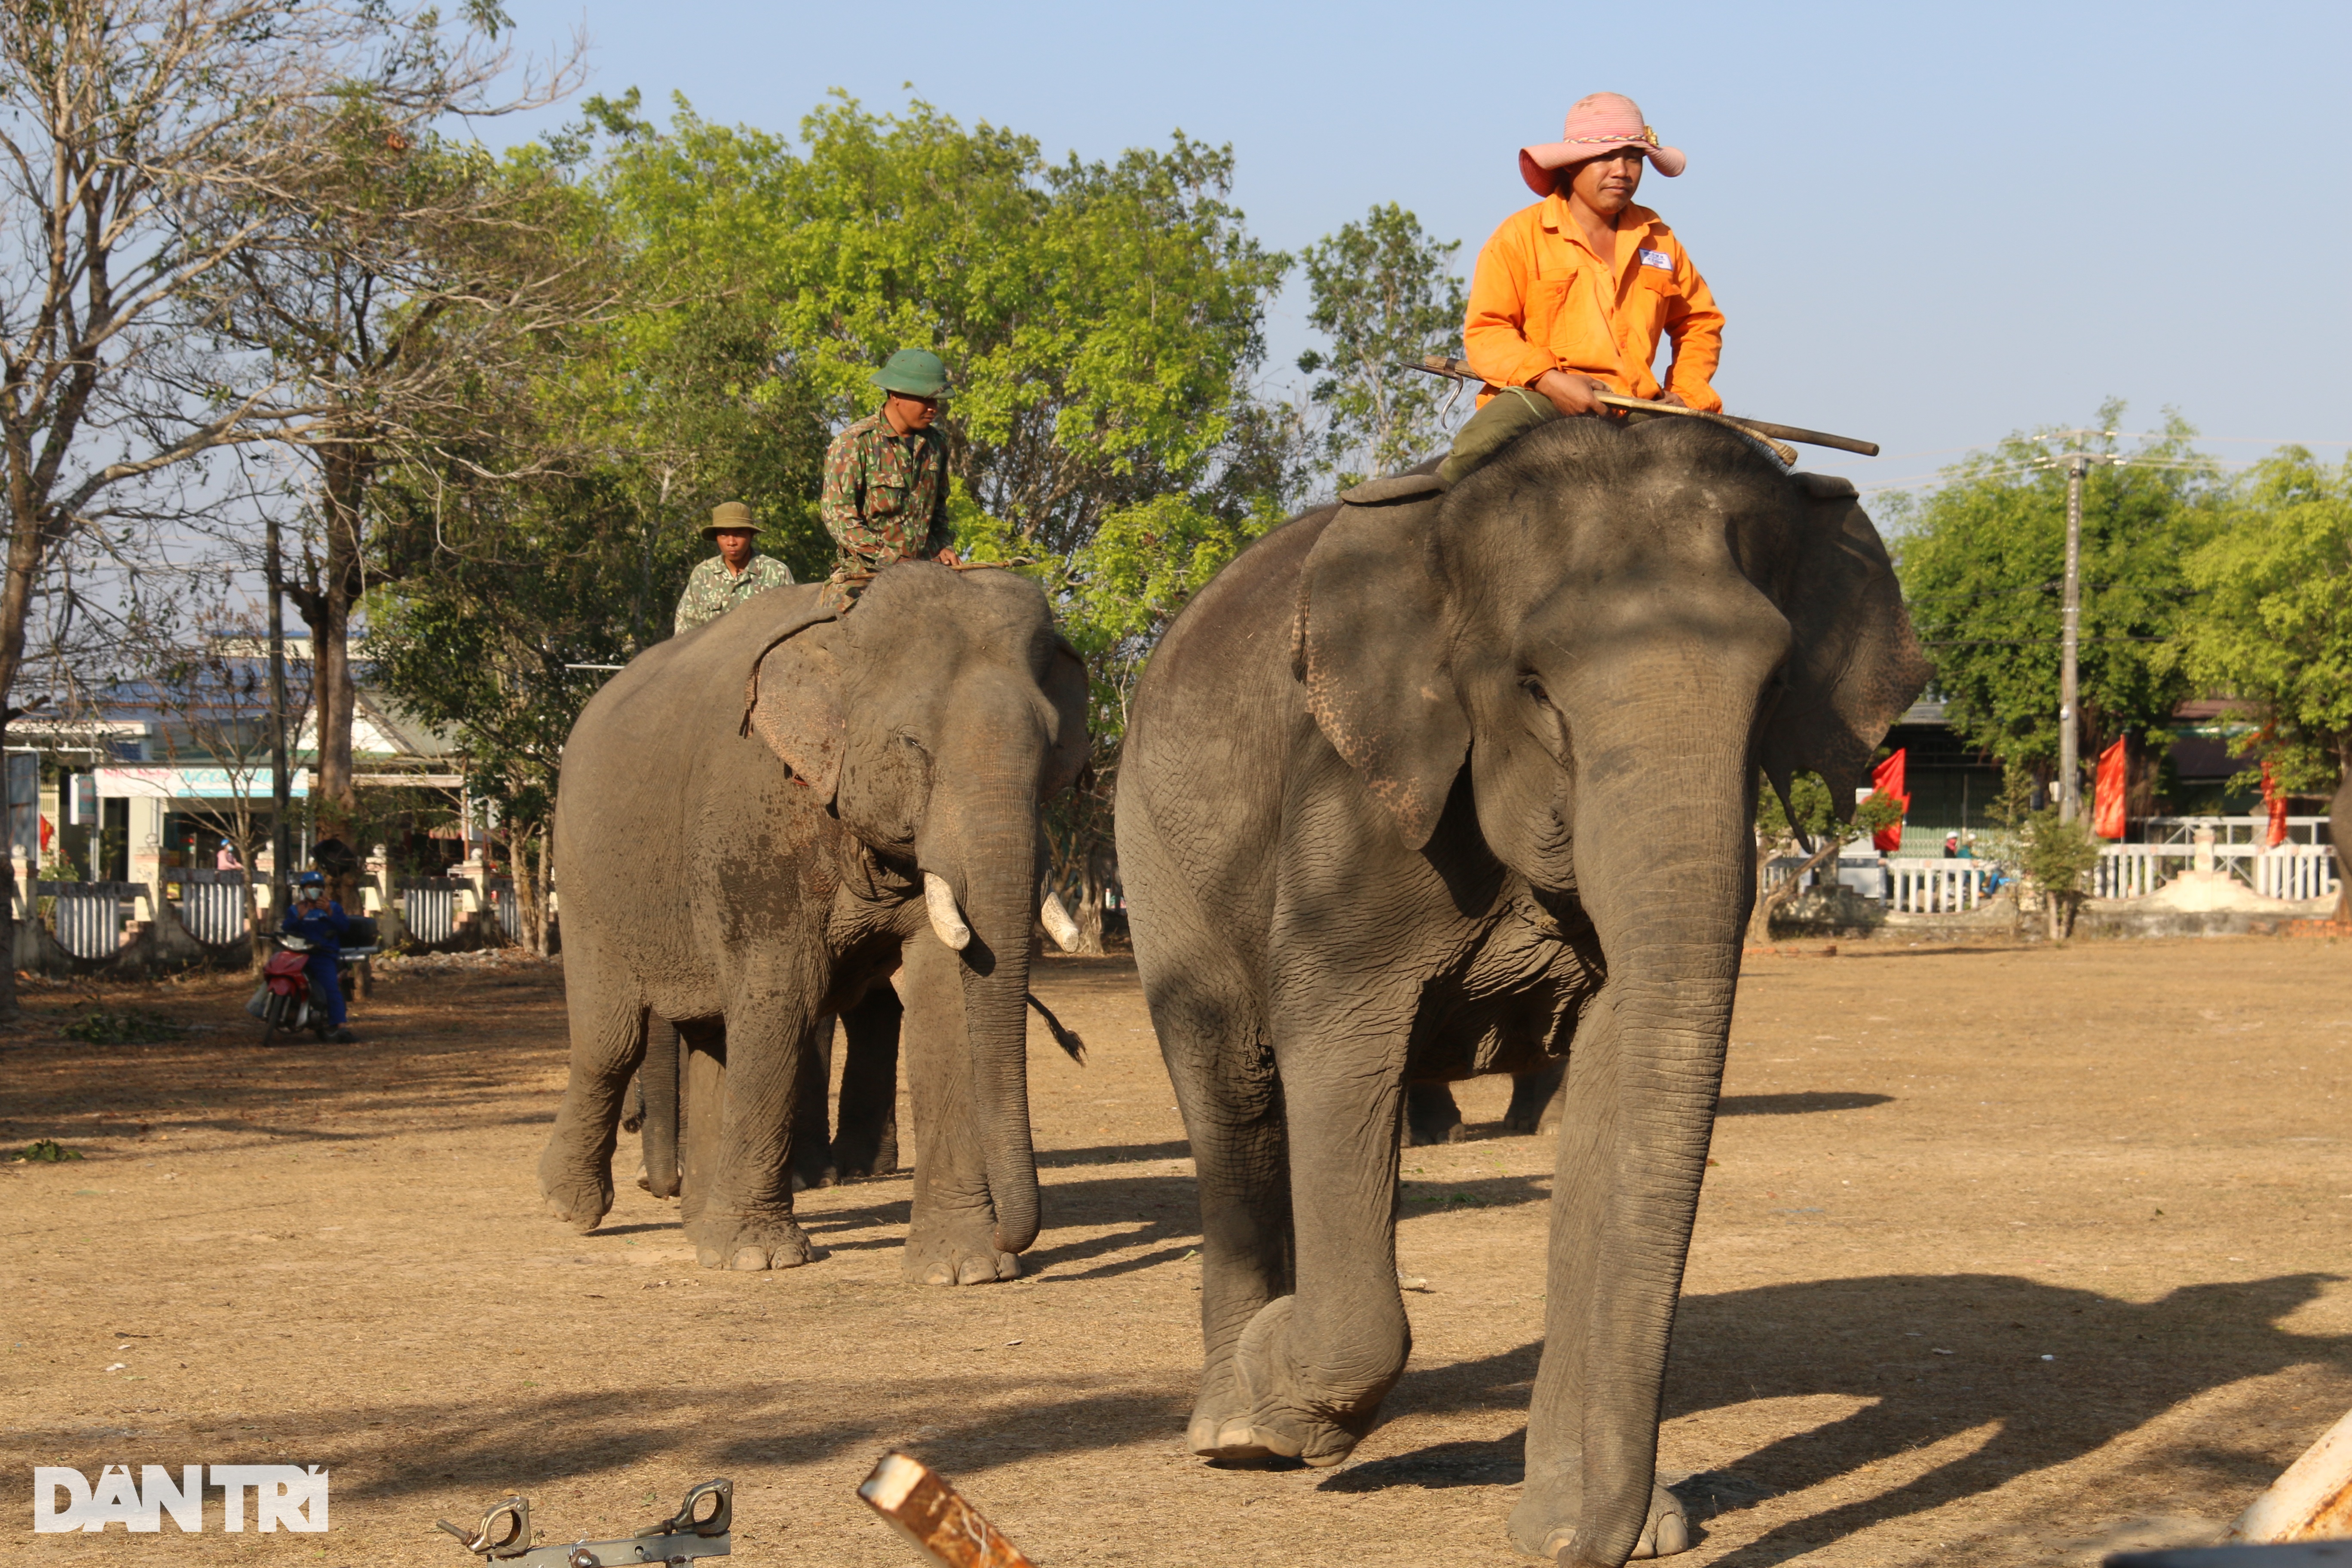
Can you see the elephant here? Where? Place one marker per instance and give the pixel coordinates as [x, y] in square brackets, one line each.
[762, 819]
[1434, 784]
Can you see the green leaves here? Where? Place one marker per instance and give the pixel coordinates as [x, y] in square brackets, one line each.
[1982, 561]
[2275, 621]
[1098, 319]
[1385, 295]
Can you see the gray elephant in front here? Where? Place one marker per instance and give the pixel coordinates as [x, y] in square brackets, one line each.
[1428, 789]
[760, 821]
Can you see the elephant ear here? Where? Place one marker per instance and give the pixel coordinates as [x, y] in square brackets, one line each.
[796, 704]
[1067, 690]
[1368, 645]
[1853, 662]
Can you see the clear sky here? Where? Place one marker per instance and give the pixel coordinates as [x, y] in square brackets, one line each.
[1927, 226]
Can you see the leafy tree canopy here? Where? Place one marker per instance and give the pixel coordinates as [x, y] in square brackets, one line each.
[1385, 295]
[1099, 321]
[2274, 626]
[1983, 559]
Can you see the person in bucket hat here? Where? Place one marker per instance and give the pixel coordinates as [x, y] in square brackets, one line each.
[732, 576]
[1571, 295]
[886, 477]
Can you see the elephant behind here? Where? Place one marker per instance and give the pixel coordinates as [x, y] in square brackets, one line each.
[1427, 789]
[761, 820]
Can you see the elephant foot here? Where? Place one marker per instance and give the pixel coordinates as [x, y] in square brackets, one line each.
[859, 1160]
[1431, 1116]
[580, 1198]
[749, 1242]
[1544, 1523]
[956, 1255]
[1272, 1415]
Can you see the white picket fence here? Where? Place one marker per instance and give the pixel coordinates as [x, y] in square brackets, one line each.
[2290, 871]
[1941, 886]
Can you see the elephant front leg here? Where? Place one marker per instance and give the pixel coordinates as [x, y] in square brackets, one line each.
[746, 1221]
[1311, 1368]
[952, 1238]
[575, 1171]
[1579, 1292]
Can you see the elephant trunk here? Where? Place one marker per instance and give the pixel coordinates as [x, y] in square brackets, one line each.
[993, 886]
[1668, 893]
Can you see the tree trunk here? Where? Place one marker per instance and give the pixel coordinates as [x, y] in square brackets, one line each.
[326, 608]
[519, 883]
[543, 888]
[1094, 891]
[1770, 902]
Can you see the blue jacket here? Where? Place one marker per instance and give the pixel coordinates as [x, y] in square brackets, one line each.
[323, 931]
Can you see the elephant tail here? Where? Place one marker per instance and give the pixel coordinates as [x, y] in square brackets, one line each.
[1067, 1038]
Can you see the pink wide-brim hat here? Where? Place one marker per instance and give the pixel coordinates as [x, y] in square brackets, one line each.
[1600, 122]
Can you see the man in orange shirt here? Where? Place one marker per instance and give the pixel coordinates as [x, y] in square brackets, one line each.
[1571, 295]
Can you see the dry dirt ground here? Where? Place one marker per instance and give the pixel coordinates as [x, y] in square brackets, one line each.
[2008, 1257]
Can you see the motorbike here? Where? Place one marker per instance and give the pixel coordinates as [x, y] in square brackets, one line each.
[283, 1003]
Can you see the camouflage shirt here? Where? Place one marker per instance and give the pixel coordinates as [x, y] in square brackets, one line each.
[712, 590]
[885, 492]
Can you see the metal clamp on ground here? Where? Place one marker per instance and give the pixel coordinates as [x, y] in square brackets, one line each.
[702, 1527]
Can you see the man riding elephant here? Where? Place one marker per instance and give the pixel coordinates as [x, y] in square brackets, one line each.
[886, 477]
[1571, 296]
[731, 576]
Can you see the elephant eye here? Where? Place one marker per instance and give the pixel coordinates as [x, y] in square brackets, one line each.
[1535, 690]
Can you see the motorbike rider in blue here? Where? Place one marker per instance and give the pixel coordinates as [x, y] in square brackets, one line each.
[321, 921]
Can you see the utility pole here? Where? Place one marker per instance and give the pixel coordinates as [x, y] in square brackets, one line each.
[281, 847]
[2070, 641]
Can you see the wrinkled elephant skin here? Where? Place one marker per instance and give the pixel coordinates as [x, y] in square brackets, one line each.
[1461, 784]
[749, 870]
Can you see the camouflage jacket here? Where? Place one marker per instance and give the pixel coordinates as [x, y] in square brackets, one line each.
[712, 590]
[886, 493]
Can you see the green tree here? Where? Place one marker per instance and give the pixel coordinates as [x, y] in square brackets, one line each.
[2055, 856]
[1100, 320]
[1982, 561]
[2274, 628]
[1385, 295]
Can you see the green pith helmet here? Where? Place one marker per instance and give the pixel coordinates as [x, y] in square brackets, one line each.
[916, 373]
[730, 515]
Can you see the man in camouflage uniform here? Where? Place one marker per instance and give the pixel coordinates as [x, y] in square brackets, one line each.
[732, 576]
[886, 477]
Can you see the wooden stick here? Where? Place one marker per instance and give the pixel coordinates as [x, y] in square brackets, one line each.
[1438, 364]
[939, 1524]
[2311, 1501]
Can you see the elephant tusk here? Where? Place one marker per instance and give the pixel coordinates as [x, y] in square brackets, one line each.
[1058, 923]
[940, 898]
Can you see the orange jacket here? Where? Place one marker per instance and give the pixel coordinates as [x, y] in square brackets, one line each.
[1540, 299]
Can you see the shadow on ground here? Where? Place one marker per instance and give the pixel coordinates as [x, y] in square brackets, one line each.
[1883, 1340]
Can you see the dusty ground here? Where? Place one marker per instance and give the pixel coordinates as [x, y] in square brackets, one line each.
[2010, 1257]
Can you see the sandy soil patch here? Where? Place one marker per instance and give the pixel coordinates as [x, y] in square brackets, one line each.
[2010, 1256]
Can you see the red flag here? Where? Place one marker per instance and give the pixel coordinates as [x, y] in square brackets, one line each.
[2274, 804]
[1886, 779]
[2108, 784]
